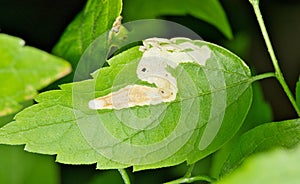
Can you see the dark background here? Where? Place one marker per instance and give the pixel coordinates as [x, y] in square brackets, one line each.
[41, 22]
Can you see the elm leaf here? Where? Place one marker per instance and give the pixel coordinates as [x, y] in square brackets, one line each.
[23, 71]
[209, 11]
[264, 137]
[199, 98]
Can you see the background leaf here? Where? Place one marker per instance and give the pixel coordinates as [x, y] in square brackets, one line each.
[6, 119]
[10, 117]
[112, 176]
[96, 18]
[210, 11]
[61, 123]
[264, 137]
[24, 70]
[276, 167]
[18, 167]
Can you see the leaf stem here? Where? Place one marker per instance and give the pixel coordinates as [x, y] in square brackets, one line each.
[189, 171]
[191, 180]
[124, 175]
[263, 76]
[278, 73]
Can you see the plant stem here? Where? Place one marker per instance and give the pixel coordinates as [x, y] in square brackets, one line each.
[124, 175]
[263, 76]
[191, 180]
[189, 171]
[278, 73]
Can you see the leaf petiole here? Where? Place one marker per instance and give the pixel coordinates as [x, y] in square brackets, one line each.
[124, 175]
[278, 73]
[191, 180]
[263, 76]
[189, 171]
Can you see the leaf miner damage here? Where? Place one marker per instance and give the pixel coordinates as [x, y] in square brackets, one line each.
[158, 54]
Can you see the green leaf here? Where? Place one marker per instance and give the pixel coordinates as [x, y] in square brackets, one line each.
[96, 18]
[259, 113]
[209, 11]
[264, 137]
[276, 167]
[23, 71]
[298, 93]
[211, 104]
[17, 167]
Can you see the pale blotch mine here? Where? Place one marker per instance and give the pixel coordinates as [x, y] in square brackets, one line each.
[159, 53]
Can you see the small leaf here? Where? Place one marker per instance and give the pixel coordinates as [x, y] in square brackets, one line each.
[96, 18]
[209, 11]
[276, 167]
[17, 166]
[298, 93]
[212, 101]
[23, 71]
[264, 137]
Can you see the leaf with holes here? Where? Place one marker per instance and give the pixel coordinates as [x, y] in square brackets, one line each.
[23, 72]
[156, 105]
